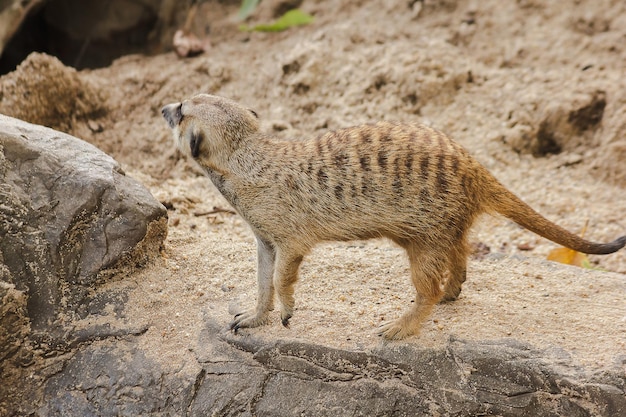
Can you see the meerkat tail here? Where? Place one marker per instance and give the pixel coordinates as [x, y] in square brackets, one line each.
[509, 205]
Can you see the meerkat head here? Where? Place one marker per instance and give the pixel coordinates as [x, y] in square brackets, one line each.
[209, 128]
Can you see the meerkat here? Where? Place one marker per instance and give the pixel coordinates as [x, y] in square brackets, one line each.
[406, 182]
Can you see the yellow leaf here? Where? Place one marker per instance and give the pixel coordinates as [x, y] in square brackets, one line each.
[570, 256]
[562, 255]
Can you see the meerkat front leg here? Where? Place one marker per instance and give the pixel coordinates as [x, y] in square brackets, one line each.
[266, 256]
[285, 276]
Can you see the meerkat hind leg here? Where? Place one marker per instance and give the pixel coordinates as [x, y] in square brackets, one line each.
[454, 285]
[426, 274]
[285, 277]
[266, 256]
[458, 272]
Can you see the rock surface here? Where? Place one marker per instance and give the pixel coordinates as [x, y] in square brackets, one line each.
[70, 220]
[246, 376]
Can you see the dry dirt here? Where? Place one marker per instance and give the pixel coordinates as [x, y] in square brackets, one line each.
[493, 75]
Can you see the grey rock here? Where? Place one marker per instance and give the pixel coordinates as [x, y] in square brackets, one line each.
[236, 375]
[504, 378]
[69, 220]
[115, 378]
[15, 325]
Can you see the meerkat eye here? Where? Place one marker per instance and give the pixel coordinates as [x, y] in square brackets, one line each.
[254, 113]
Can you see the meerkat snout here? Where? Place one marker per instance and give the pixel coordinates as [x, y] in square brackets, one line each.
[172, 114]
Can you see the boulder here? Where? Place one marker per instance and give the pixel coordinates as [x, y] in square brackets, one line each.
[70, 220]
[116, 378]
[249, 376]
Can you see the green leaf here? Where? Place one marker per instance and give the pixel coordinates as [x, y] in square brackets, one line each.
[247, 8]
[586, 264]
[290, 19]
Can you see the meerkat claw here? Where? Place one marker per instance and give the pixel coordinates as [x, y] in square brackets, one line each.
[393, 330]
[248, 319]
[234, 326]
[285, 321]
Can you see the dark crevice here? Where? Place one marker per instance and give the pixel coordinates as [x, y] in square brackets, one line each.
[255, 400]
[72, 31]
[196, 386]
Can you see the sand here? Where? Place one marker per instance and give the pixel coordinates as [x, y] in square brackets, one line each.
[487, 73]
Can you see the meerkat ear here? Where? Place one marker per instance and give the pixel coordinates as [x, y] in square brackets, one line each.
[172, 114]
[254, 113]
[194, 143]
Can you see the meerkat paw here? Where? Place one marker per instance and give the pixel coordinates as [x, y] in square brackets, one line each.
[395, 330]
[249, 318]
[285, 315]
[450, 296]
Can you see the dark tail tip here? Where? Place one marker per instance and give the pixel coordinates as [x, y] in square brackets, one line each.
[606, 248]
[621, 242]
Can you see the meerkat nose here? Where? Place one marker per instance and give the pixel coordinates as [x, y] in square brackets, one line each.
[172, 114]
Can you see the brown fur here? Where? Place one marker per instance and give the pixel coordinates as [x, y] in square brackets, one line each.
[406, 182]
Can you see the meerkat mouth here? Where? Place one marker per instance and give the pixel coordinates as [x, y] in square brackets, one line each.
[172, 114]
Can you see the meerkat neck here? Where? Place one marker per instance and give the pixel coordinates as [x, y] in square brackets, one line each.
[251, 152]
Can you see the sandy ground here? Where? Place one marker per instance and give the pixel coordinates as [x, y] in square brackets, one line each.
[487, 73]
